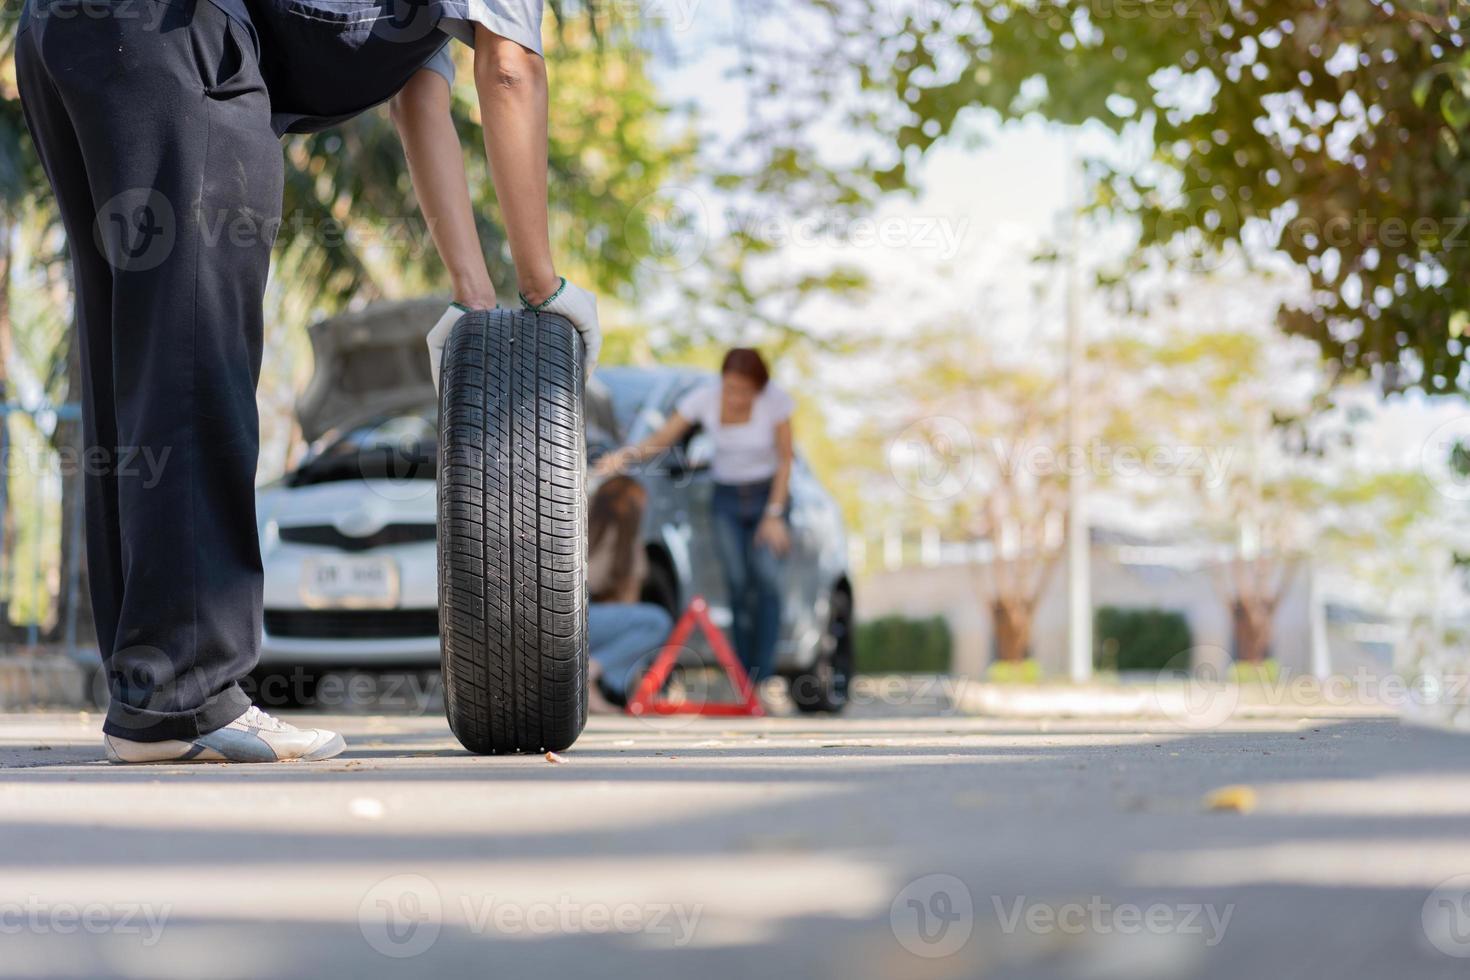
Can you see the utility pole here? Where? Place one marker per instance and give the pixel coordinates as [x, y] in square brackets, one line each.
[1079, 536]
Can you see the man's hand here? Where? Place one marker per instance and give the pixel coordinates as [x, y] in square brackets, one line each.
[439, 336]
[580, 307]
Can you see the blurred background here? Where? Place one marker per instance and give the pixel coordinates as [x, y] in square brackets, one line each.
[1125, 336]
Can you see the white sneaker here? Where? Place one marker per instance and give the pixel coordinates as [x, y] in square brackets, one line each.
[253, 737]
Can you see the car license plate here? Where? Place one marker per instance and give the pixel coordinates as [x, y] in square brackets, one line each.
[343, 582]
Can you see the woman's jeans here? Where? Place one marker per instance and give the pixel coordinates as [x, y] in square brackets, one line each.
[753, 574]
[622, 637]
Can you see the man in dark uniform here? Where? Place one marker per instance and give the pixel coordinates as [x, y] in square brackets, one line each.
[153, 124]
[157, 124]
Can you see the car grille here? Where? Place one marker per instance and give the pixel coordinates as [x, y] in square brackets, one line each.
[327, 536]
[352, 624]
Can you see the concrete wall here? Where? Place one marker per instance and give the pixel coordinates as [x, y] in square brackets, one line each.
[961, 594]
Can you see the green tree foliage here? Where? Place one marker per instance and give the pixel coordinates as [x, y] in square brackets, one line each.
[1332, 130]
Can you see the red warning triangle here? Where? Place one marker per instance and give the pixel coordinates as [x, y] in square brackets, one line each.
[646, 699]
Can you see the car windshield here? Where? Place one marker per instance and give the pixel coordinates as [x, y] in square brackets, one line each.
[390, 447]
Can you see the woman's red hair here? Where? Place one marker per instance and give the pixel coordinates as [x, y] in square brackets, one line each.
[748, 363]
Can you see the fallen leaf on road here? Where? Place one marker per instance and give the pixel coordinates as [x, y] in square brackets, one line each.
[1232, 799]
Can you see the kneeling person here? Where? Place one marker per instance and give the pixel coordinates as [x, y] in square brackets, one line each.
[624, 634]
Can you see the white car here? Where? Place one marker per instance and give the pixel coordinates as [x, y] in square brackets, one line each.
[350, 566]
[348, 537]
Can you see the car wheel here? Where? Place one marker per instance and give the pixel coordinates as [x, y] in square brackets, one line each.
[512, 533]
[823, 686]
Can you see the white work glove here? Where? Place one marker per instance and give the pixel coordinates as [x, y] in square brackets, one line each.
[439, 336]
[580, 307]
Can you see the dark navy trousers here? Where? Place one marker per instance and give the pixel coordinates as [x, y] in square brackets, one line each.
[154, 127]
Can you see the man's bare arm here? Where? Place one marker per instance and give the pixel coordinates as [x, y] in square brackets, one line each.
[421, 113]
[511, 82]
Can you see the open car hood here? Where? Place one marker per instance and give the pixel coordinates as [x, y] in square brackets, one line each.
[369, 362]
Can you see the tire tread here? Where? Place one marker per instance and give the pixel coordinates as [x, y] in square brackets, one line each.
[512, 547]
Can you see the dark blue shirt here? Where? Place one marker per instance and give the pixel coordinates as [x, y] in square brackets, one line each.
[235, 8]
[326, 61]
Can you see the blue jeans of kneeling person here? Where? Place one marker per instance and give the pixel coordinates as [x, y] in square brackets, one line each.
[623, 638]
[754, 574]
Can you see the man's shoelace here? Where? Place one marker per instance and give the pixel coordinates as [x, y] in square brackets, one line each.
[256, 718]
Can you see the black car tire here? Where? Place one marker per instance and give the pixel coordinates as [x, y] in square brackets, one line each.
[512, 533]
[822, 688]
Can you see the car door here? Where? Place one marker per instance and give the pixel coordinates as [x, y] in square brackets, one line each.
[601, 433]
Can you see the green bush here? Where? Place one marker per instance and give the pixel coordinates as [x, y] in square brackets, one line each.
[900, 645]
[1141, 639]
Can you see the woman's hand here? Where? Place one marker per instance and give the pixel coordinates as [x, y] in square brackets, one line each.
[774, 534]
[577, 305]
[612, 464]
[619, 460]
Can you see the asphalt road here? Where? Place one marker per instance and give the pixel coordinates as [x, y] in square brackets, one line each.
[904, 847]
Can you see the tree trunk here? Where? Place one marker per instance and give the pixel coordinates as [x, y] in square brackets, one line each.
[1012, 629]
[1252, 622]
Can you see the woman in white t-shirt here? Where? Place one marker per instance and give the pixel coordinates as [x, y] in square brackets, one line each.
[749, 420]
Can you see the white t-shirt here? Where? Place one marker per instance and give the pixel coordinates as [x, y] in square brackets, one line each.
[744, 453]
[519, 20]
